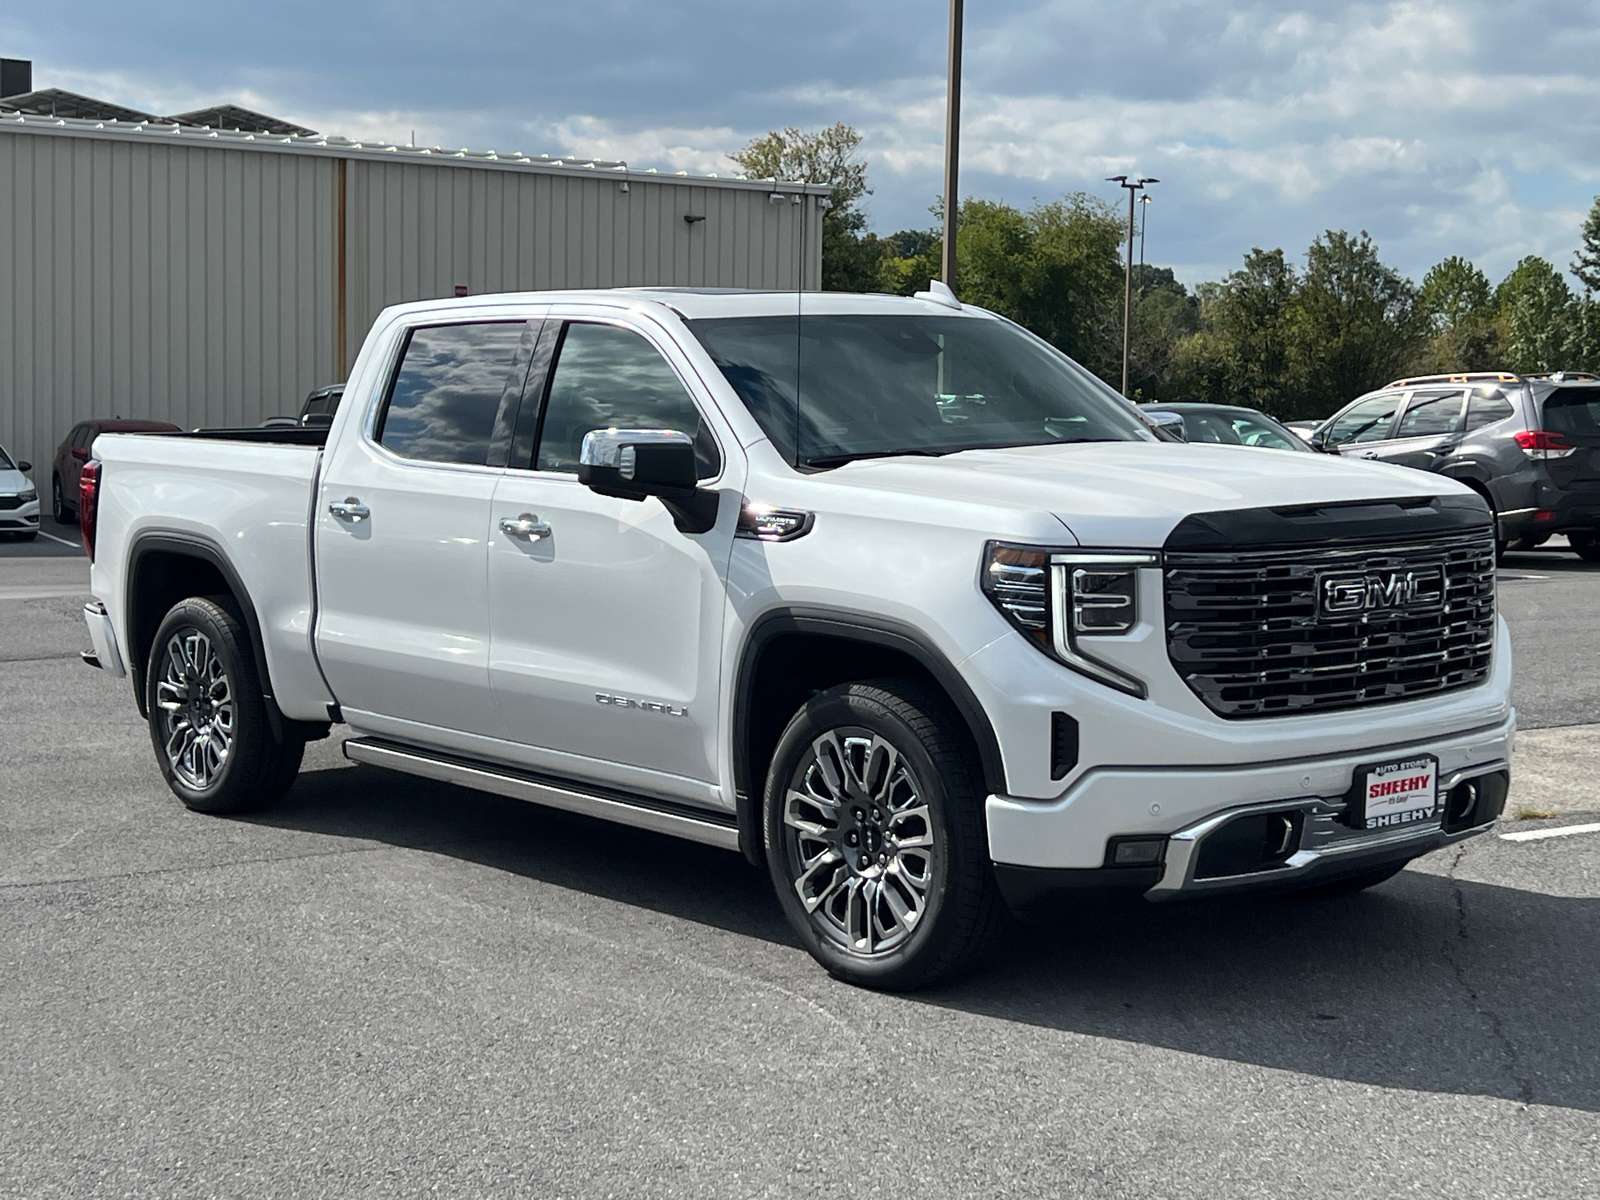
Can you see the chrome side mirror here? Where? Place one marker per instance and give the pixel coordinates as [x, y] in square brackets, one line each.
[634, 464]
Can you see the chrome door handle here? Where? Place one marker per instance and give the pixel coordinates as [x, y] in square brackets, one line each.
[527, 525]
[350, 509]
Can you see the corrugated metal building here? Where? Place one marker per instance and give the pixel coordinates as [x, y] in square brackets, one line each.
[204, 277]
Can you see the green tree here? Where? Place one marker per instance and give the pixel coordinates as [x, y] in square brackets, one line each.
[1354, 323]
[1241, 352]
[1053, 268]
[1536, 314]
[1165, 316]
[1456, 302]
[1586, 262]
[850, 255]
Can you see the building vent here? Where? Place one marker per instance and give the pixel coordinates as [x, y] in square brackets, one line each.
[16, 76]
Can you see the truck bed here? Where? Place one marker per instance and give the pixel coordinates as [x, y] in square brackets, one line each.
[245, 496]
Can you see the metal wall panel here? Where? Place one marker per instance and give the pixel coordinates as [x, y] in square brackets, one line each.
[184, 277]
[170, 283]
[419, 231]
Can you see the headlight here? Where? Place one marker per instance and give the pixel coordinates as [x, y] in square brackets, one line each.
[28, 495]
[1056, 598]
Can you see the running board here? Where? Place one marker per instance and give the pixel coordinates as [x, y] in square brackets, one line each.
[641, 814]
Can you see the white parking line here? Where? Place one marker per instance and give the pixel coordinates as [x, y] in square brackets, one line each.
[54, 538]
[1534, 835]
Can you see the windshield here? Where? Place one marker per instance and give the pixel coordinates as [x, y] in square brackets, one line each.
[5, 461]
[872, 386]
[1239, 429]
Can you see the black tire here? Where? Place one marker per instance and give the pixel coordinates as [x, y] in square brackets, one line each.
[202, 689]
[1351, 884]
[1585, 545]
[926, 768]
[58, 507]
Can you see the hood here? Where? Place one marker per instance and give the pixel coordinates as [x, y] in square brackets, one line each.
[12, 482]
[1134, 493]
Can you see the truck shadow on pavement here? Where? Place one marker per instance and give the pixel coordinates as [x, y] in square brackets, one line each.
[1426, 983]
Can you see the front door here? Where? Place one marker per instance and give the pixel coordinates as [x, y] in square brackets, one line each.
[402, 527]
[1356, 432]
[606, 619]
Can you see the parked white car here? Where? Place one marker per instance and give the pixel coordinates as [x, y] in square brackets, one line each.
[19, 499]
[886, 593]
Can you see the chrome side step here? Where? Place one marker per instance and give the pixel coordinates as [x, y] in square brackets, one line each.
[568, 797]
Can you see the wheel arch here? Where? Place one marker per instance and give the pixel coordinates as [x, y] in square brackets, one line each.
[791, 653]
[164, 568]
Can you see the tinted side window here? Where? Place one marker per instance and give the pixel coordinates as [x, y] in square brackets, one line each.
[1431, 413]
[80, 437]
[605, 378]
[1486, 410]
[448, 389]
[1367, 421]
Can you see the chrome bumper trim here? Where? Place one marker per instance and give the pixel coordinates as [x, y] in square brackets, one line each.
[1182, 847]
[103, 635]
[570, 798]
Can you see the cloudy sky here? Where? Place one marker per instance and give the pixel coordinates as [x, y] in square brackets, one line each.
[1442, 128]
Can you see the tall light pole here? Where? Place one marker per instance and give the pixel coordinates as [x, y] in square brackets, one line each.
[1134, 186]
[952, 145]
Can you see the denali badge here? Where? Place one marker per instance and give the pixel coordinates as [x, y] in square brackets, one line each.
[1342, 595]
[654, 706]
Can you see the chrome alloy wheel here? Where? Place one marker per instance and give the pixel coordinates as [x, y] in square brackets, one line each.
[859, 841]
[196, 702]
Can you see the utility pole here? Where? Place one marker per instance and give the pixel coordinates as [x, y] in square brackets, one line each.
[952, 145]
[1134, 186]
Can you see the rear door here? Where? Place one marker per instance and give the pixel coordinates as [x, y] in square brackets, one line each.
[1428, 429]
[606, 618]
[401, 535]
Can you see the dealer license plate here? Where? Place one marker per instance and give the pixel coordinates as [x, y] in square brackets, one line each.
[1404, 792]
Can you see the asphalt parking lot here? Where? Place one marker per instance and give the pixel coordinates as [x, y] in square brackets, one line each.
[387, 987]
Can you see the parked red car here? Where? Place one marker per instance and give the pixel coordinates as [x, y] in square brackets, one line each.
[74, 452]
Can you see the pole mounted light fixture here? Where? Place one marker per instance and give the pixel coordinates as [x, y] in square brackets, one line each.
[1134, 187]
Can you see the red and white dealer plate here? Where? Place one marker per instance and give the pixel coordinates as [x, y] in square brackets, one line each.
[1392, 794]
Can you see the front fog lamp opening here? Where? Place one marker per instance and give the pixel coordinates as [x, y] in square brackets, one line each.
[1137, 852]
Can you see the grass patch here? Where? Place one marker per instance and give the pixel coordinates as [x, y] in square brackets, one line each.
[1534, 814]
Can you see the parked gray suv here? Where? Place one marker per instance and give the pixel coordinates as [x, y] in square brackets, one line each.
[1529, 444]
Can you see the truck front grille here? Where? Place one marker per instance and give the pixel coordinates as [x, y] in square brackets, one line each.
[1283, 631]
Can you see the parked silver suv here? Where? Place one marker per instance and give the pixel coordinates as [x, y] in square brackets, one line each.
[1529, 444]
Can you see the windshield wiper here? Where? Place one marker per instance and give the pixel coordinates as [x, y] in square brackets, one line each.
[838, 460]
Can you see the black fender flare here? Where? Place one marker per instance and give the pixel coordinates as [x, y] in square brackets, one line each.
[189, 545]
[861, 627]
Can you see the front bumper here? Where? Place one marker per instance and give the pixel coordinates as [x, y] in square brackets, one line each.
[24, 519]
[1074, 834]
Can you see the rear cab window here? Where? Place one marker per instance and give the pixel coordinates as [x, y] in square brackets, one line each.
[449, 388]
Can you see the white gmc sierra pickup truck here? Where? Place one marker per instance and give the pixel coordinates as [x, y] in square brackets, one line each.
[885, 593]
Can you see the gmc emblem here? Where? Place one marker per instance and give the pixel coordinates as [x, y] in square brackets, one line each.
[1343, 595]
